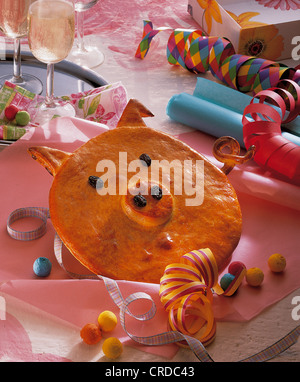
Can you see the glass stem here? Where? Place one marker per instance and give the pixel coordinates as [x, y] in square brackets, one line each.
[49, 99]
[80, 31]
[17, 61]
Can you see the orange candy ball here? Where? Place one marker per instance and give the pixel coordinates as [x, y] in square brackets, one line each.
[277, 263]
[91, 334]
[254, 276]
[112, 347]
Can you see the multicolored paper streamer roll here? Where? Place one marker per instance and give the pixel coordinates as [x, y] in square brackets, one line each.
[198, 53]
[186, 293]
[263, 130]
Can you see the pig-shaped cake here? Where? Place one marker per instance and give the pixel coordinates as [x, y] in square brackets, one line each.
[121, 223]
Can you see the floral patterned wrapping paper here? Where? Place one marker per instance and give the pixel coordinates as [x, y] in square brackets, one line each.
[104, 105]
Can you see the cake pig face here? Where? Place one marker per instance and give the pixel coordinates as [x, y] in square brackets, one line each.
[131, 224]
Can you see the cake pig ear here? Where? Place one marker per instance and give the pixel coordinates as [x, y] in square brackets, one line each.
[51, 159]
[133, 114]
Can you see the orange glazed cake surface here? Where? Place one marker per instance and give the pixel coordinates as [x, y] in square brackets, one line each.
[147, 223]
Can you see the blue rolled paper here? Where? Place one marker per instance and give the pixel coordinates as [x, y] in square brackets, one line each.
[217, 110]
[205, 116]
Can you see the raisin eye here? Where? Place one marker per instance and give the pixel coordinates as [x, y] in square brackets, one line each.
[95, 181]
[146, 159]
[140, 201]
[156, 192]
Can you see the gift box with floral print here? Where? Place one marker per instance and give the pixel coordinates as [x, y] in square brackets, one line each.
[268, 29]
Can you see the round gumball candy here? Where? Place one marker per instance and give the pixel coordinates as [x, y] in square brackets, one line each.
[226, 280]
[254, 276]
[42, 267]
[236, 268]
[91, 334]
[107, 321]
[10, 112]
[22, 118]
[112, 347]
[277, 262]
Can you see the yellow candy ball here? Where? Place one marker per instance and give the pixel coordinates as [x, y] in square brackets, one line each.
[107, 321]
[112, 347]
[254, 276]
[277, 262]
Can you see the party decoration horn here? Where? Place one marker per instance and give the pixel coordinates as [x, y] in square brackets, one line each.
[262, 128]
[198, 53]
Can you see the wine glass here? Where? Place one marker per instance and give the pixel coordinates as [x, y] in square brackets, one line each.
[13, 23]
[50, 37]
[88, 56]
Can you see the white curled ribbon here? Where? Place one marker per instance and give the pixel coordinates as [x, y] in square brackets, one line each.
[20, 213]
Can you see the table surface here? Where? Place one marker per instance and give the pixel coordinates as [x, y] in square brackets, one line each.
[116, 30]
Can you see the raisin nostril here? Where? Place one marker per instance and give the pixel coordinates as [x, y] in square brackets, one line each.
[156, 192]
[140, 201]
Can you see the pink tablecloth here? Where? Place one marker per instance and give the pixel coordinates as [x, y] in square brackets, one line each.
[268, 227]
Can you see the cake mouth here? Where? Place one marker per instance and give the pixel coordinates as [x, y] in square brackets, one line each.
[148, 204]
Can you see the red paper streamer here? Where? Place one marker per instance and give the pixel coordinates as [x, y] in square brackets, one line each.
[274, 152]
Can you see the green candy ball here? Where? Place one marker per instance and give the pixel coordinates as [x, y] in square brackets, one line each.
[22, 118]
[226, 280]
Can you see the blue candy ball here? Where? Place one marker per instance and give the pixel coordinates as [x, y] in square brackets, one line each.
[42, 267]
[226, 280]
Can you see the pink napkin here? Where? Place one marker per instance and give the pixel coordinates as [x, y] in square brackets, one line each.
[81, 301]
[268, 227]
